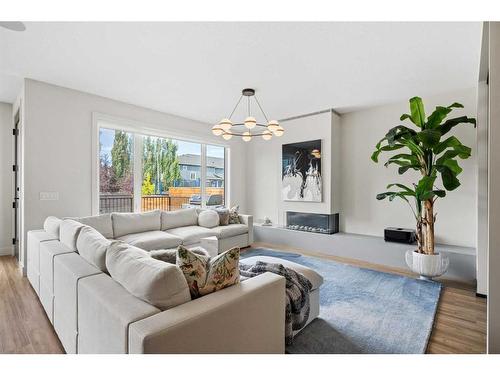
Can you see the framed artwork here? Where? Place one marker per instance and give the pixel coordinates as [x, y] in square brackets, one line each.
[301, 172]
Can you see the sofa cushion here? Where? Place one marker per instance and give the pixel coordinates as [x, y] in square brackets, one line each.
[230, 230]
[101, 223]
[223, 216]
[152, 240]
[179, 218]
[315, 278]
[68, 232]
[170, 255]
[127, 223]
[191, 234]
[208, 219]
[51, 225]
[234, 217]
[92, 246]
[207, 275]
[158, 283]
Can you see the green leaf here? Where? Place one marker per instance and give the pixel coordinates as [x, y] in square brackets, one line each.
[424, 189]
[417, 111]
[429, 137]
[401, 186]
[440, 114]
[402, 159]
[391, 195]
[404, 117]
[437, 116]
[404, 168]
[451, 123]
[454, 143]
[449, 178]
[453, 165]
[416, 149]
[377, 152]
[440, 193]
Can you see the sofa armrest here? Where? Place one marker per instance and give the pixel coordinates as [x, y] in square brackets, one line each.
[248, 317]
[248, 221]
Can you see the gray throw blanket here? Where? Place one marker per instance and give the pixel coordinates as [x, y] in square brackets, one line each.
[297, 294]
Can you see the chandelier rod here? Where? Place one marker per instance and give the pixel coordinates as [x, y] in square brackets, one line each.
[236, 106]
[257, 100]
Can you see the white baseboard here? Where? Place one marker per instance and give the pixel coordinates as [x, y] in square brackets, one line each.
[6, 250]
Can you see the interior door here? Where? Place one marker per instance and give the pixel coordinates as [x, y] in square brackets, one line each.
[17, 180]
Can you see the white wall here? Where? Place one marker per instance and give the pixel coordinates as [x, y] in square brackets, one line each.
[57, 144]
[264, 168]
[6, 152]
[362, 179]
[493, 190]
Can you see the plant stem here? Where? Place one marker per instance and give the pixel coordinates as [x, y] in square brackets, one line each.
[429, 227]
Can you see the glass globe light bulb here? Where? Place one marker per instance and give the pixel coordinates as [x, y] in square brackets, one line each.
[279, 131]
[267, 135]
[250, 122]
[225, 124]
[272, 125]
[227, 135]
[247, 137]
[217, 130]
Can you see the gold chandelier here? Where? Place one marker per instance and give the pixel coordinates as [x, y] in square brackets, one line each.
[227, 129]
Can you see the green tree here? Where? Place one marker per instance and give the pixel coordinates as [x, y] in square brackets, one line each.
[160, 162]
[148, 188]
[121, 155]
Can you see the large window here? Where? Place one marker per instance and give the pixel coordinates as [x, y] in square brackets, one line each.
[171, 174]
[116, 171]
[215, 174]
[167, 173]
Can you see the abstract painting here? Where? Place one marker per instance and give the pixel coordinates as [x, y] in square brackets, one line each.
[301, 171]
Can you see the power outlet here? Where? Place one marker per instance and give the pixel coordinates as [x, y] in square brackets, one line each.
[49, 195]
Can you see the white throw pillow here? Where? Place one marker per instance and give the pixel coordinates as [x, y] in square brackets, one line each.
[101, 223]
[180, 218]
[92, 247]
[128, 223]
[208, 219]
[51, 225]
[68, 232]
[158, 283]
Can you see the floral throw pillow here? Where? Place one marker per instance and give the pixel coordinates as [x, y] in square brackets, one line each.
[207, 275]
[234, 216]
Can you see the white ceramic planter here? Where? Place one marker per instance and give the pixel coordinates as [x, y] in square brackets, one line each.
[427, 266]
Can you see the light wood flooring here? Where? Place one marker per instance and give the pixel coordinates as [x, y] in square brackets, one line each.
[460, 324]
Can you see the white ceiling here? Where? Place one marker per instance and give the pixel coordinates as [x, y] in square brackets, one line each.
[197, 70]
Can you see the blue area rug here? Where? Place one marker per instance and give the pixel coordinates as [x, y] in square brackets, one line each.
[364, 311]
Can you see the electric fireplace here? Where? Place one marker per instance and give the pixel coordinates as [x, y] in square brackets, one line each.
[310, 222]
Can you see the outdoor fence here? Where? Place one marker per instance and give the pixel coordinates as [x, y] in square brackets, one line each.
[125, 203]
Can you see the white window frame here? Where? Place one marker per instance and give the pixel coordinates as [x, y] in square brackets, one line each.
[139, 129]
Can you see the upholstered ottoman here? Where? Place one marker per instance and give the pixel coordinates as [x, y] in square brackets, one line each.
[315, 278]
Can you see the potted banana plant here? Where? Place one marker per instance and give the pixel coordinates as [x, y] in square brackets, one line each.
[426, 147]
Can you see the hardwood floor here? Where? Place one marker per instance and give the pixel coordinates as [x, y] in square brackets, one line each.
[460, 324]
[24, 327]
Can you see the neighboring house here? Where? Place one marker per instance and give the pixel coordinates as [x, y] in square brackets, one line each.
[191, 171]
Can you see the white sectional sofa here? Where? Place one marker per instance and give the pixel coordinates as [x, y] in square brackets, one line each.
[105, 299]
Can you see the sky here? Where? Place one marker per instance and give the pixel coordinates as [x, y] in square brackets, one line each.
[106, 137]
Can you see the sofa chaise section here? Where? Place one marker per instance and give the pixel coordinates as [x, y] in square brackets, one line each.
[248, 317]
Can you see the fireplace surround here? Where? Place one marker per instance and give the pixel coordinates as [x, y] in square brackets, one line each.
[312, 222]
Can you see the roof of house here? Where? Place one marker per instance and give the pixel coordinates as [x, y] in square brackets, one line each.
[191, 159]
